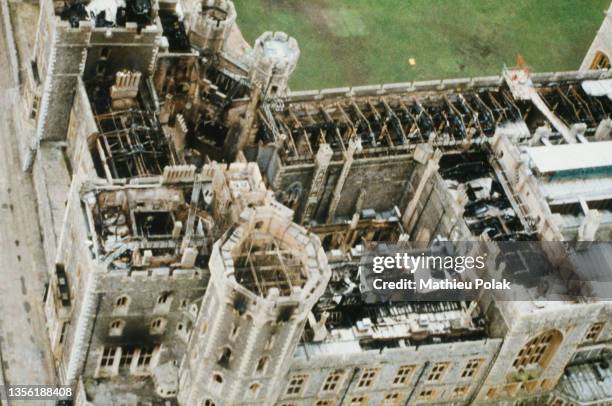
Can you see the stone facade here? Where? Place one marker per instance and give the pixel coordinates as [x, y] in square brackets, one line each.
[601, 48]
[203, 224]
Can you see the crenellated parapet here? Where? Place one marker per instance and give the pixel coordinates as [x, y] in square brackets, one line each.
[266, 275]
[210, 24]
[275, 57]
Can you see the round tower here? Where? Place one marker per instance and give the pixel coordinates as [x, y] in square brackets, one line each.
[274, 59]
[210, 24]
[266, 275]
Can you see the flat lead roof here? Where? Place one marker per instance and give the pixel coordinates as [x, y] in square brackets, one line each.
[567, 157]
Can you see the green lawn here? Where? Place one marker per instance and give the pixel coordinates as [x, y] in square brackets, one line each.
[353, 42]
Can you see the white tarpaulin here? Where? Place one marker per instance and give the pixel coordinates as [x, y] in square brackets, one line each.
[598, 87]
[567, 157]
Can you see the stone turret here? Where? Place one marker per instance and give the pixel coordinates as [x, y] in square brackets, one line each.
[266, 275]
[210, 24]
[274, 59]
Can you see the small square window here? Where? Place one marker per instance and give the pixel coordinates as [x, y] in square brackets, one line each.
[333, 381]
[427, 394]
[392, 399]
[471, 368]
[358, 401]
[594, 331]
[296, 384]
[404, 373]
[437, 371]
[116, 328]
[367, 378]
[108, 356]
[461, 391]
[158, 326]
[144, 359]
[127, 355]
[122, 301]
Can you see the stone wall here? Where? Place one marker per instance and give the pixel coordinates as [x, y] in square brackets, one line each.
[527, 320]
[52, 184]
[384, 180]
[316, 362]
[143, 290]
[112, 50]
[602, 42]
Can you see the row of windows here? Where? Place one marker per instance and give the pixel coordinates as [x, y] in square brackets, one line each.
[390, 399]
[430, 394]
[510, 390]
[163, 299]
[537, 351]
[137, 360]
[156, 327]
[397, 398]
[367, 378]
[162, 303]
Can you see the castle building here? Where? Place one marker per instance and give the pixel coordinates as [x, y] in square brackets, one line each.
[203, 224]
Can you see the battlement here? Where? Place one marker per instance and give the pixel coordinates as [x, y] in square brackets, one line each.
[209, 251]
[272, 258]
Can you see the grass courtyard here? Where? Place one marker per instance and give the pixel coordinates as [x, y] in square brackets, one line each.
[354, 42]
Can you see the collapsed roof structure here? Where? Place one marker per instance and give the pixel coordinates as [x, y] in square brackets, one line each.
[208, 248]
